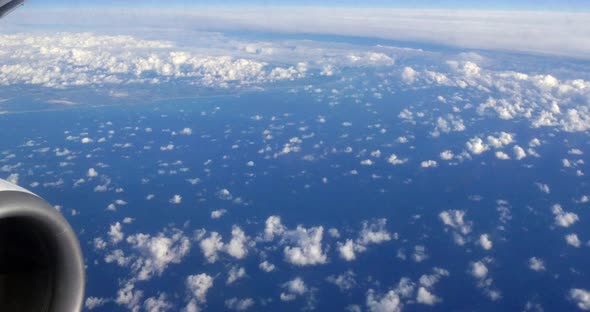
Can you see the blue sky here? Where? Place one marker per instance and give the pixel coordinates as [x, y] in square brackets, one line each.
[560, 5]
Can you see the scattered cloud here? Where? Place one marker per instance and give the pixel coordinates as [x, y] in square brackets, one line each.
[307, 248]
[293, 289]
[455, 220]
[563, 218]
[198, 286]
[476, 146]
[345, 281]
[234, 274]
[371, 233]
[429, 164]
[573, 240]
[581, 297]
[485, 242]
[536, 264]
[237, 304]
[155, 253]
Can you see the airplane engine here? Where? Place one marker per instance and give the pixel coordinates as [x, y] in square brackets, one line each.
[6, 6]
[41, 263]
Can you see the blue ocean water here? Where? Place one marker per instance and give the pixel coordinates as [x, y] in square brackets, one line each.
[225, 137]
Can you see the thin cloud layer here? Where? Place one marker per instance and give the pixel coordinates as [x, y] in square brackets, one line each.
[559, 33]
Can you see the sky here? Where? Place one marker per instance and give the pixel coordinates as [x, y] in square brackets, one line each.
[550, 5]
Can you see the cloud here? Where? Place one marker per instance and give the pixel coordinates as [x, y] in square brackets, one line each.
[118, 256]
[115, 233]
[559, 33]
[573, 240]
[292, 146]
[157, 252]
[13, 178]
[476, 146]
[389, 302]
[346, 250]
[157, 304]
[394, 160]
[501, 155]
[211, 246]
[307, 248]
[409, 75]
[479, 270]
[446, 155]
[405, 290]
[186, 131]
[224, 194]
[519, 152]
[266, 266]
[236, 304]
[59, 60]
[429, 164]
[374, 232]
[583, 199]
[237, 246]
[92, 173]
[371, 233]
[485, 242]
[234, 274]
[447, 124]
[407, 116]
[333, 232]
[273, 227]
[168, 147]
[536, 264]
[430, 280]
[419, 254]
[216, 214]
[543, 188]
[198, 287]
[455, 219]
[129, 296]
[563, 218]
[581, 297]
[304, 245]
[535, 98]
[502, 140]
[103, 187]
[92, 303]
[293, 288]
[345, 281]
[575, 151]
[425, 297]
[176, 199]
[367, 162]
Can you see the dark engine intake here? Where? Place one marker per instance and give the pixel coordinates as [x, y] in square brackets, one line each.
[41, 264]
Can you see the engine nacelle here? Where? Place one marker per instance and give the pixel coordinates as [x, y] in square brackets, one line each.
[7, 6]
[41, 263]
